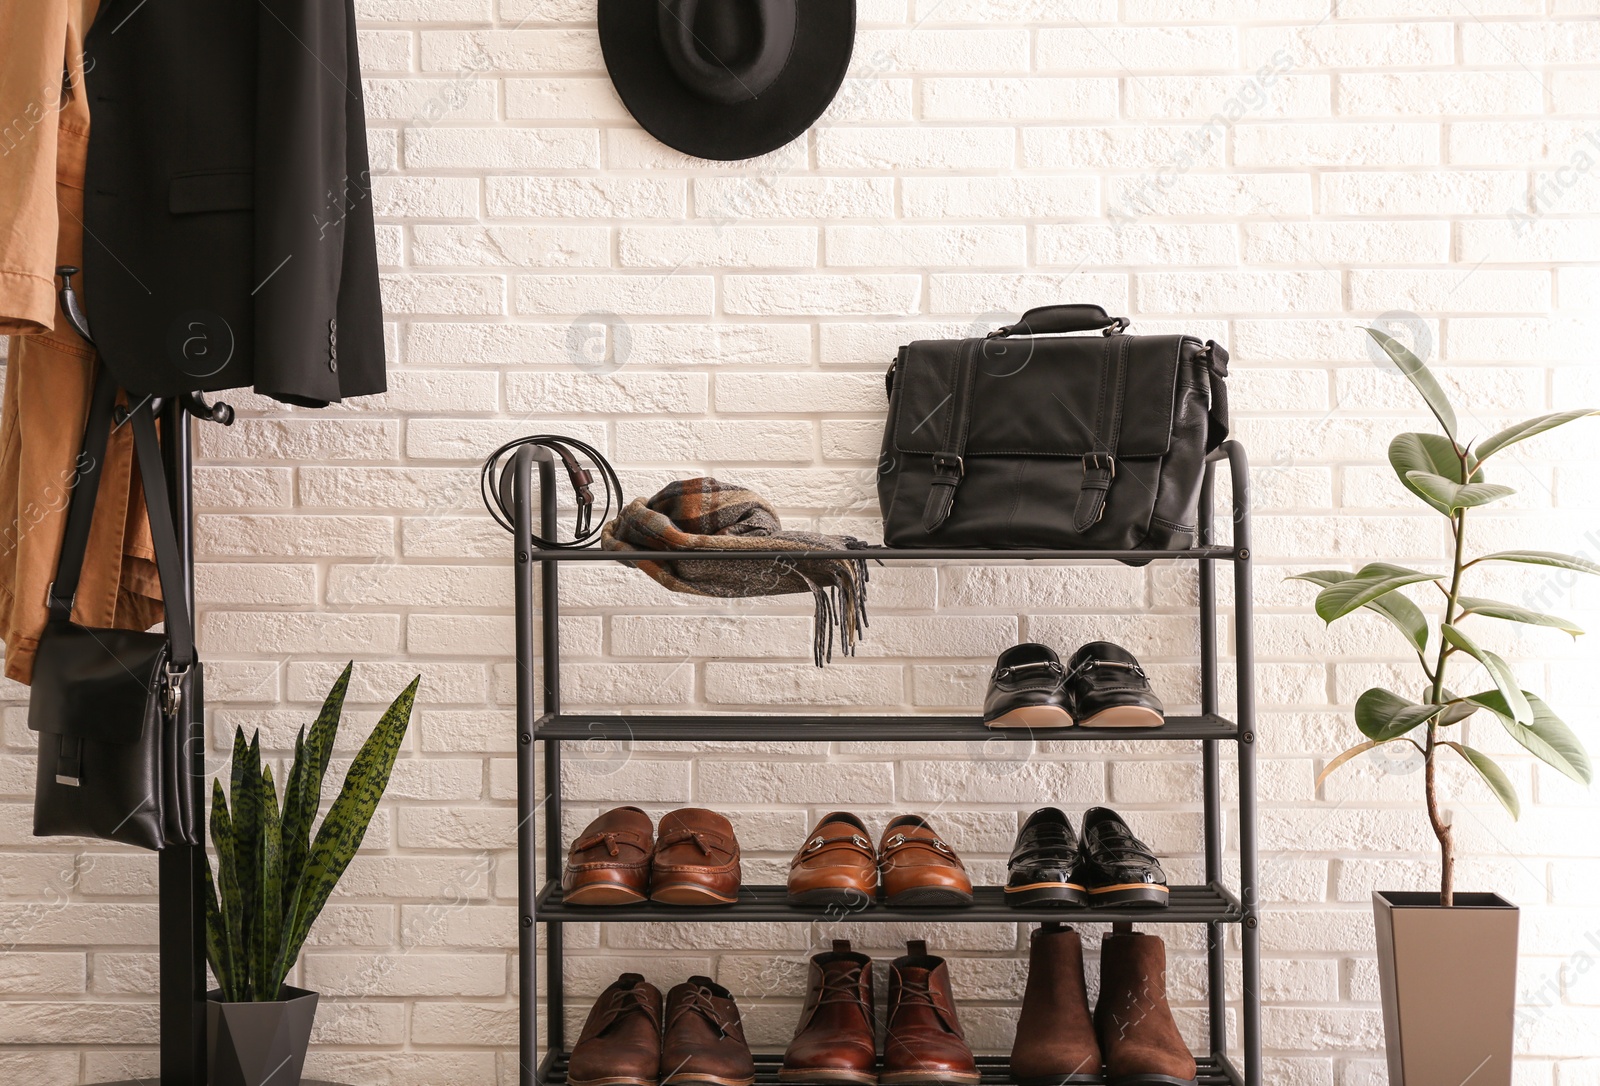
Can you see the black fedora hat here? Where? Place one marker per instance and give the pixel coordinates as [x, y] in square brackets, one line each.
[727, 79]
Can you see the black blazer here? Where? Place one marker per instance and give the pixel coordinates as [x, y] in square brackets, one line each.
[227, 203]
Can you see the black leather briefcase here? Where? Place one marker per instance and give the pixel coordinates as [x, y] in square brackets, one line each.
[1033, 439]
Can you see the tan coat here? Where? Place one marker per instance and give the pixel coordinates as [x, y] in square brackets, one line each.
[44, 139]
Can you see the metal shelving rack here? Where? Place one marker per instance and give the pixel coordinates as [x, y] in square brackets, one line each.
[541, 720]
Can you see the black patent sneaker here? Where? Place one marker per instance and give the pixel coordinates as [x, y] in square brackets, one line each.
[1027, 689]
[1114, 867]
[1106, 688]
[1040, 868]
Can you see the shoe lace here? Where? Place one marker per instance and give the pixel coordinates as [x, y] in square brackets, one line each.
[700, 1001]
[842, 985]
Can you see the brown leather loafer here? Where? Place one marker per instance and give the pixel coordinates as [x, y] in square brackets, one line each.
[696, 860]
[918, 868]
[835, 1041]
[609, 864]
[703, 1041]
[621, 1042]
[924, 1045]
[836, 865]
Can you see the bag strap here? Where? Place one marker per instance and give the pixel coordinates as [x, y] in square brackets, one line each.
[1100, 466]
[80, 516]
[1051, 319]
[80, 512]
[949, 465]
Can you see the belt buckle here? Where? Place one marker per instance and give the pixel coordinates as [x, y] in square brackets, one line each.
[949, 461]
[1099, 461]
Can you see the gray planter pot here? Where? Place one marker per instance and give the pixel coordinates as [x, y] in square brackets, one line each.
[259, 1044]
[1449, 984]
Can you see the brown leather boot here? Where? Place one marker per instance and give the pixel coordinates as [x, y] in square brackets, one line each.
[1140, 1040]
[924, 1044]
[702, 1043]
[621, 1042]
[835, 1041]
[1055, 1043]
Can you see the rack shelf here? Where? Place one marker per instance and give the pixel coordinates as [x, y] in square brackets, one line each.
[541, 723]
[788, 728]
[1188, 905]
[996, 1071]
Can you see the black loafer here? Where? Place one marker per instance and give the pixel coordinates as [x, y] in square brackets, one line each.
[1027, 689]
[1114, 867]
[1042, 861]
[1106, 688]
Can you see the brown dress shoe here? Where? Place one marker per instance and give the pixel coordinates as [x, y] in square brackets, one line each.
[835, 1041]
[836, 865]
[918, 868]
[1140, 1040]
[696, 860]
[621, 1042]
[609, 864]
[924, 1044]
[703, 1040]
[1055, 1043]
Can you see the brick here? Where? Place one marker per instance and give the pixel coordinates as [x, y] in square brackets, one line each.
[613, 294]
[1237, 291]
[1006, 296]
[276, 632]
[1167, 194]
[771, 295]
[829, 394]
[778, 197]
[502, 148]
[1135, 49]
[1120, 245]
[239, 487]
[1031, 99]
[1169, 148]
[1200, 97]
[291, 536]
[718, 440]
[923, 246]
[302, 439]
[417, 294]
[439, 490]
[1433, 192]
[517, 246]
[1346, 242]
[1434, 93]
[717, 246]
[722, 344]
[425, 197]
[998, 197]
[932, 50]
[1338, 45]
[429, 100]
[584, 197]
[563, 99]
[623, 392]
[1337, 144]
[510, 50]
[252, 583]
[1482, 290]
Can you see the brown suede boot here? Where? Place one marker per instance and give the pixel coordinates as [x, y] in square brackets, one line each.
[1055, 1043]
[1138, 1037]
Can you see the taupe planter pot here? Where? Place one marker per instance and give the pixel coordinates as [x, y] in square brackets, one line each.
[1449, 981]
[259, 1044]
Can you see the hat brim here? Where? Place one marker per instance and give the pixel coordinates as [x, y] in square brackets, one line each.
[825, 34]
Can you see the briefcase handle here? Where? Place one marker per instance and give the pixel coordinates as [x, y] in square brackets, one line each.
[1049, 319]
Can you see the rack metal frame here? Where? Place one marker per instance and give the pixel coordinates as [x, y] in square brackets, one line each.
[541, 720]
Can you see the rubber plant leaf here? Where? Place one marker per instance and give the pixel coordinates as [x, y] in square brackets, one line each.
[1500, 671]
[347, 820]
[1431, 453]
[1544, 558]
[1383, 715]
[269, 907]
[1548, 738]
[1354, 752]
[1523, 430]
[1492, 775]
[1372, 582]
[1420, 376]
[1452, 496]
[1406, 616]
[1510, 612]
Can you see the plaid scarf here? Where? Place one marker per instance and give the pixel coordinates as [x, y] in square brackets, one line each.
[707, 515]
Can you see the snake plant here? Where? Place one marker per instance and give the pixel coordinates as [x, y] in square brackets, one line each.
[274, 876]
[1447, 475]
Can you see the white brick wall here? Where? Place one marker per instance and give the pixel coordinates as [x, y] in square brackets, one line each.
[1270, 174]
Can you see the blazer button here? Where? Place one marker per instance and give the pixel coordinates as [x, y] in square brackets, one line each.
[333, 365]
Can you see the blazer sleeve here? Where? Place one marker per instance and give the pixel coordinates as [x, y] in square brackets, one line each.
[31, 86]
[310, 177]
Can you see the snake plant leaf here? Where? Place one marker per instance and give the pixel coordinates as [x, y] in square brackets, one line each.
[232, 902]
[1492, 775]
[1523, 430]
[1431, 453]
[269, 909]
[1354, 752]
[1421, 377]
[1548, 738]
[1371, 582]
[1500, 671]
[1510, 612]
[245, 809]
[1406, 616]
[347, 819]
[1454, 496]
[217, 939]
[304, 794]
[1383, 715]
[1544, 558]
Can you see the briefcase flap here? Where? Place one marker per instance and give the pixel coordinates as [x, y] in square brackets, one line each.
[95, 684]
[1039, 395]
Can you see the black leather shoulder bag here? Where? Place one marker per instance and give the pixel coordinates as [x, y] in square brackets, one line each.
[1032, 439]
[115, 709]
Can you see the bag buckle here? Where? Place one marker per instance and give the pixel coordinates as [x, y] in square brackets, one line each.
[173, 694]
[1117, 326]
[1097, 461]
[950, 462]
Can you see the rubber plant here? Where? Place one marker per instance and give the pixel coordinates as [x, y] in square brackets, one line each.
[1447, 475]
[274, 876]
